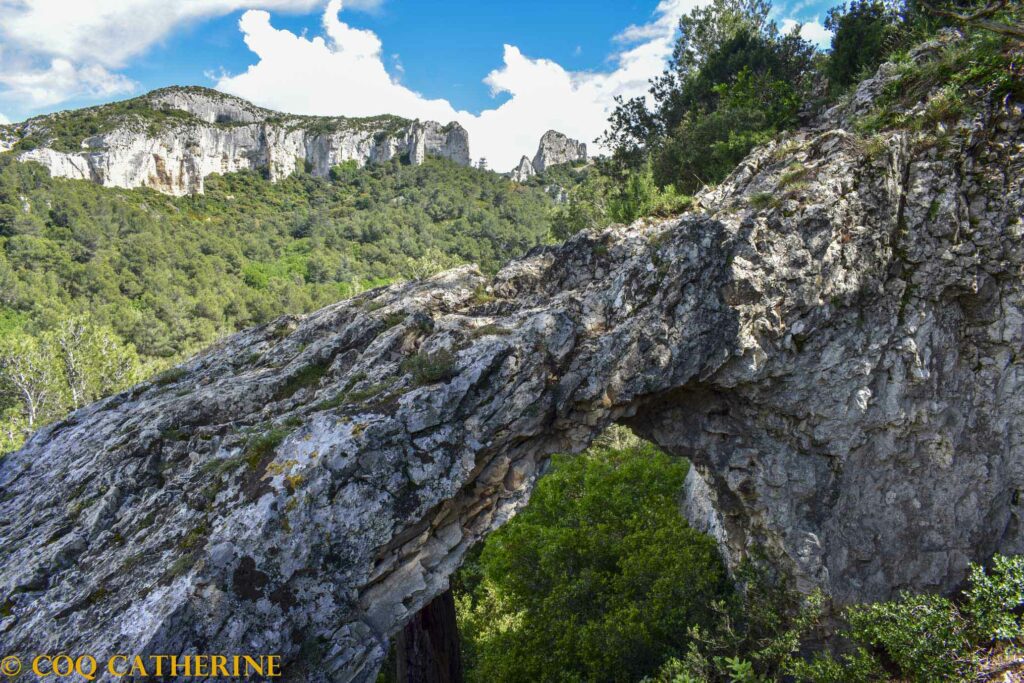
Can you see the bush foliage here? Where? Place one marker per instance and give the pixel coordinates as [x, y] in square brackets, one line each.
[597, 580]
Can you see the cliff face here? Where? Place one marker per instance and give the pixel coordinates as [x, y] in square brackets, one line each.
[524, 171]
[556, 148]
[834, 338]
[553, 149]
[222, 134]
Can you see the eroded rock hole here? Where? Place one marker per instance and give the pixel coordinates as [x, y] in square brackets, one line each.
[598, 578]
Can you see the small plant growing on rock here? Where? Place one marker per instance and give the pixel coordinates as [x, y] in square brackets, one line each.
[194, 538]
[264, 445]
[763, 200]
[428, 368]
[169, 376]
[481, 295]
[393, 319]
[795, 173]
[306, 377]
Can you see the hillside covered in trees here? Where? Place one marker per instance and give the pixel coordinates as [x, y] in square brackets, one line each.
[150, 278]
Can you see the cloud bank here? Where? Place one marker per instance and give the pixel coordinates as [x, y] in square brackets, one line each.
[342, 72]
[56, 50]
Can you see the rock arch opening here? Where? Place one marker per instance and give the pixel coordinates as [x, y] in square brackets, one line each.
[599, 560]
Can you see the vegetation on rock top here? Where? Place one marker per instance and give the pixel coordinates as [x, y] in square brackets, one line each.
[69, 131]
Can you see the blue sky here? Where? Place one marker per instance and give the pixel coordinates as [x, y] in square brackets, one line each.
[445, 49]
[505, 70]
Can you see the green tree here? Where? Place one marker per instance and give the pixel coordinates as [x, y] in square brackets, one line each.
[598, 579]
[862, 36]
[733, 81]
[43, 377]
[94, 360]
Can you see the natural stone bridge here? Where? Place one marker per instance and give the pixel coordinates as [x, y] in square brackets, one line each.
[840, 357]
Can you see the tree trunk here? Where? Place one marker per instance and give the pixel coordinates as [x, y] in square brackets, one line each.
[427, 649]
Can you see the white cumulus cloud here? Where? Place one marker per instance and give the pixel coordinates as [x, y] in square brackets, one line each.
[3, 119]
[342, 72]
[56, 50]
[62, 80]
[811, 31]
[108, 32]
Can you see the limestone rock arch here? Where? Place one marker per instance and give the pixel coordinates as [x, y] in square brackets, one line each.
[840, 358]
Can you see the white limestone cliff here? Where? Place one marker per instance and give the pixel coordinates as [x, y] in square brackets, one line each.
[556, 148]
[174, 154]
[524, 171]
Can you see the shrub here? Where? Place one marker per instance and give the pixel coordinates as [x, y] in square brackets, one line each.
[597, 579]
[640, 196]
[428, 368]
[925, 636]
[929, 637]
[995, 598]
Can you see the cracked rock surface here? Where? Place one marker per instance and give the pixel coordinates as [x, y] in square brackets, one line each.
[842, 363]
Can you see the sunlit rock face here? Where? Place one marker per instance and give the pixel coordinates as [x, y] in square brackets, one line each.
[840, 357]
[223, 134]
[556, 148]
[524, 171]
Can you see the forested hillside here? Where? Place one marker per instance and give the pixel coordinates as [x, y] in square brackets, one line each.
[150, 278]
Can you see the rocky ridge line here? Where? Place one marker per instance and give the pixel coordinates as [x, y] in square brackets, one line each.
[224, 134]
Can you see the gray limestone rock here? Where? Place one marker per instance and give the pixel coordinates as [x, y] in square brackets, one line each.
[555, 148]
[842, 365]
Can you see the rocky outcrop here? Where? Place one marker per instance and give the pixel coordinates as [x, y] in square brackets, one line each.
[207, 105]
[8, 138]
[833, 338]
[524, 171]
[433, 139]
[555, 148]
[224, 134]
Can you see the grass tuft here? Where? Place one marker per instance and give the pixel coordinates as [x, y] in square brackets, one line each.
[430, 368]
[306, 377]
[763, 200]
[264, 445]
[169, 376]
